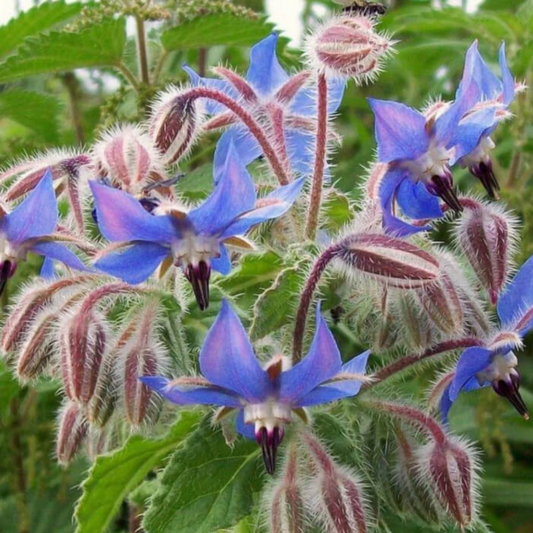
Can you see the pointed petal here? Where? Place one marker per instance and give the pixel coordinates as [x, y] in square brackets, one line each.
[122, 218]
[472, 361]
[47, 269]
[276, 204]
[416, 202]
[491, 87]
[517, 299]
[400, 131]
[304, 103]
[227, 358]
[321, 363]
[36, 216]
[246, 430]
[59, 252]
[472, 130]
[445, 406]
[357, 365]
[507, 78]
[199, 395]
[135, 263]
[468, 90]
[234, 194]
[222, 264]
[265, 74]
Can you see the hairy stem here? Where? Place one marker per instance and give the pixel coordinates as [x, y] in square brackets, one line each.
[158, 68]
[128, 75]
[142, 50]
[307, 295]
[73, 88]
[320, 157]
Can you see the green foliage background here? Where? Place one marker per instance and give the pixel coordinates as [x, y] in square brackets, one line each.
[43, 104]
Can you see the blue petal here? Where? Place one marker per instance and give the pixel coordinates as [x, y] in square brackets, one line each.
[472, 361]
[36, 216]
[265, 74]
[400, 131]
[211, 107]
[47, 269]
[445, 406]
[279, 202]
[517, 298]
[468, 90]
[301, 151]
[227, 358]
[246, 430]
[507, 78]
[232, 196]
[446, 124]
[134, 264]
[222, 264]
[491, 87]
[416, 202]
[357, 365]
[199, 395]
[304, 102]
[59, 252]
[321, 363]
[122, 218]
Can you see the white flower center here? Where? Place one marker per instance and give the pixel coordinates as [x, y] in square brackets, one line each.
[8, 251]
[500, 369]
[480, 154]
[269, 414]
[434, 162]
[192, 248]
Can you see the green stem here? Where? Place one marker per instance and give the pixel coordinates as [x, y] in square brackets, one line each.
[142, 50]
[128, 75]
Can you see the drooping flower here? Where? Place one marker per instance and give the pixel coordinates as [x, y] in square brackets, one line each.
[265, 398]
[30, 227]
[496, 363]
[194, 240]
[283, 104]
[488, 102]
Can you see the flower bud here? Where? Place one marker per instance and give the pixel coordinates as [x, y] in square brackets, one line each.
[72, 431]
[97, 443]
[104, 400]
[127, 156]
[417, 329]
[336, 491]
[348, 46]
[391, 261]
[449, 470]
[486, 235]
[174, 124]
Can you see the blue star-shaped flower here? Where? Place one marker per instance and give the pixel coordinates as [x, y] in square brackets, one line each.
[265, 398]
[268, 87]
[30, 227]
[194, 240]
[496, 364]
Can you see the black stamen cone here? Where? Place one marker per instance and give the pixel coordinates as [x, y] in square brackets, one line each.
[485, 174]
[269, 443]
[199, 276]
[446, 193]
[6, 271]
[508, 388]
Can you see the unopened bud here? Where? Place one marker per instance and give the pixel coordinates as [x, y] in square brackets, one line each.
[349, 46]
[388, 260]
[97, 443]
[449, 470]
[104, 400]
[487, 234]
[72, 431]
[127, 156]
[174, 124]
[417, 328]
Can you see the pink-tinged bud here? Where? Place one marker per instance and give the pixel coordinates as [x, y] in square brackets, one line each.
[286, 506]
[72, 431]
[349, 46]
[388, 260]
[97, 443]
[104, 401]
[487, 235]
[82, 347]
[417, 329]
[174, 124]
[127, 156]
[449, 470]
[336, 491]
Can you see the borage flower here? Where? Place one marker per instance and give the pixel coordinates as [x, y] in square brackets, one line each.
[264, 397]
[193, 240]
[30, 227]
[282, 103]
[496, 364]
[488, 102]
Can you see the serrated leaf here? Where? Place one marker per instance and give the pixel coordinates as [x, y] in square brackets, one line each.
[34, 21]
[221, 29]
[114, 476]
[207, 485]
[38, 112]
[98, 45]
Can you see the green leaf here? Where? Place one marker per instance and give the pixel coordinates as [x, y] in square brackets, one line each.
[504, 492]
[99, 45]
[35, 21]
[211, 30]
[337, 210]
[114, 476]
[38, 112]
[207, 485]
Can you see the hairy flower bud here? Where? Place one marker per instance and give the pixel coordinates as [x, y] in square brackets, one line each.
[417, 329]
[349, 46]
[72, 431]
[174, 124]
[104, 400]
[487, 235]
[336, 491]
[388, 260]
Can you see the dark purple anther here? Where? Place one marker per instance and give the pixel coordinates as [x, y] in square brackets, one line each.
[199, 276]
[269, 442]
[483, 171]
[149, 204]
[508, 388]
[442, 186]
[7, 269]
